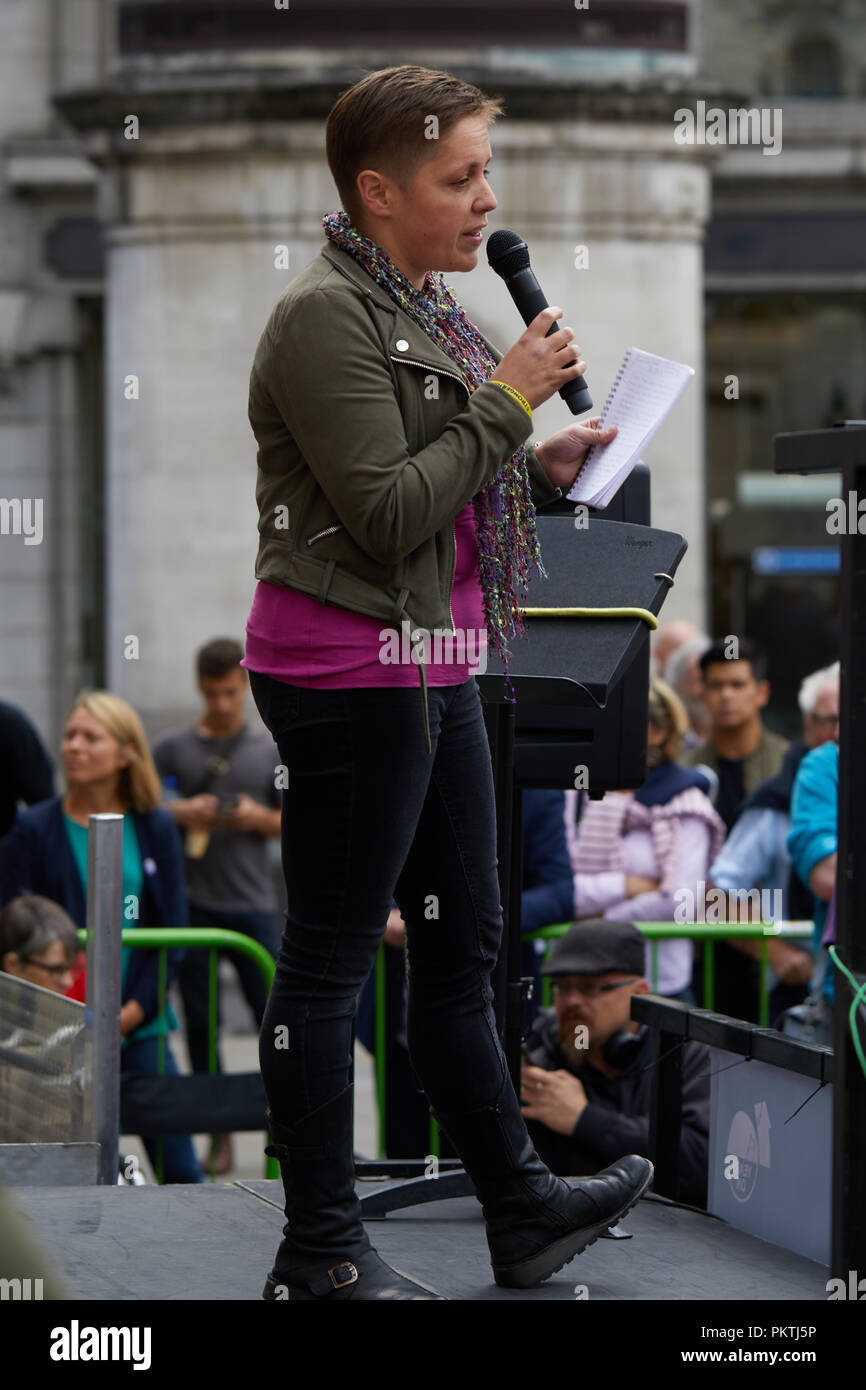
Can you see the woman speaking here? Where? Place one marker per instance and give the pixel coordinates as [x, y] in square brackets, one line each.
[397, 500]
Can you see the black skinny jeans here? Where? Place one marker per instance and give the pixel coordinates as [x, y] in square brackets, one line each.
[369, 816]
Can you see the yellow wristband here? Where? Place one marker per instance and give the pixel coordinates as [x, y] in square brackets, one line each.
[515, 395]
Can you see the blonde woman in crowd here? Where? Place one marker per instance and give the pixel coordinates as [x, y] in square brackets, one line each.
[107, 767]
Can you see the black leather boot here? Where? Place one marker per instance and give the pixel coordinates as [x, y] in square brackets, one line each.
[536, 1222]
[326, 1252]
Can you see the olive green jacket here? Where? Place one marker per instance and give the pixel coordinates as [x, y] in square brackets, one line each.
[763, 763]
[369, 444]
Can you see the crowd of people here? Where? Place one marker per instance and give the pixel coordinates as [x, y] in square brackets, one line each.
[198, 809]
[726, 804]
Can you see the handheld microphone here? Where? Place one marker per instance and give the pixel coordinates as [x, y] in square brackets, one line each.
[508, 255]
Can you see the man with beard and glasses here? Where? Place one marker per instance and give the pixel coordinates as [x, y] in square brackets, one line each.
[585, 1083]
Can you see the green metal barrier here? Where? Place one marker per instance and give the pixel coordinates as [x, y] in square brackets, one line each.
[708, 933]
[379, 1033]
[214, 939]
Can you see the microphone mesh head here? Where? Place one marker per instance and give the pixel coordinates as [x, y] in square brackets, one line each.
[507, 253]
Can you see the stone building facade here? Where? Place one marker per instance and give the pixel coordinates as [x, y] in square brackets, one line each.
[160, 162]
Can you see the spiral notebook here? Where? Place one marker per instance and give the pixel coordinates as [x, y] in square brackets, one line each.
[643, 394]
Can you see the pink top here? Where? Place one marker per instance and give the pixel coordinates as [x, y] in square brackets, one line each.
[294, 638]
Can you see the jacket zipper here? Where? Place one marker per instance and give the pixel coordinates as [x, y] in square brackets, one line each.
[413, 362]
[319, 534]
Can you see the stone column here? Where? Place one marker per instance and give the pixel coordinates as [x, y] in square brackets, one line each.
[614, 212]
[47, 271]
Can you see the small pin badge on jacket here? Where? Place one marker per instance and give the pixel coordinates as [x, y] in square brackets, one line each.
[149, 866]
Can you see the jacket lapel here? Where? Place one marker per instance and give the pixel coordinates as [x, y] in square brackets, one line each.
[153, 912]
[64, 870]
[420, 347]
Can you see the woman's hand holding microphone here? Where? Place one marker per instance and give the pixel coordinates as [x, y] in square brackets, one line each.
[537, 366]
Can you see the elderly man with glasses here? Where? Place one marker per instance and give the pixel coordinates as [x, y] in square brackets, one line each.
[585, 1083]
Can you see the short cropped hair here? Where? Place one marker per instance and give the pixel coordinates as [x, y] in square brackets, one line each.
[382, 122]
[682, 656]
[717, 655]
[219, 657]
[827, 677]
[31, 923]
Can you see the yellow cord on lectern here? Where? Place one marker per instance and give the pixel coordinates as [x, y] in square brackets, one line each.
[649, 618]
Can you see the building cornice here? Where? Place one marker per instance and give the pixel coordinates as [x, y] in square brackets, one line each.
[191, 92]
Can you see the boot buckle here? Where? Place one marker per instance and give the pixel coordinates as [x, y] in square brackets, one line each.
[346, 1269]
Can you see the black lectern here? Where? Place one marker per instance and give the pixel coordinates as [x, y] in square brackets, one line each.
[573, 722]
[843, 449]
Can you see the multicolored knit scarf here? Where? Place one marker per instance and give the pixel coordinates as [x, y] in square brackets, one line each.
[507, 537]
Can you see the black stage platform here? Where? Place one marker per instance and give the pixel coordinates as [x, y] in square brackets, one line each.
[217, 1241]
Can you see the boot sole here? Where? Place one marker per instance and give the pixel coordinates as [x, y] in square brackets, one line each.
[269, 1291]
[528, 1273]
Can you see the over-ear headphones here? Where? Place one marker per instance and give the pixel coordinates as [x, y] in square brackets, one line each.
[622, 1048]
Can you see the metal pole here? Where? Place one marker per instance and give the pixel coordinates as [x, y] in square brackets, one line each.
[843, 448]
[849, 1090]
[104, 923]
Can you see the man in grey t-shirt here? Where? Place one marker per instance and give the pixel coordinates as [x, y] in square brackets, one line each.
[219, 776]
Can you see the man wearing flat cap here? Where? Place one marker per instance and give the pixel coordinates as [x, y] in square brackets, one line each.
[585, 1089]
